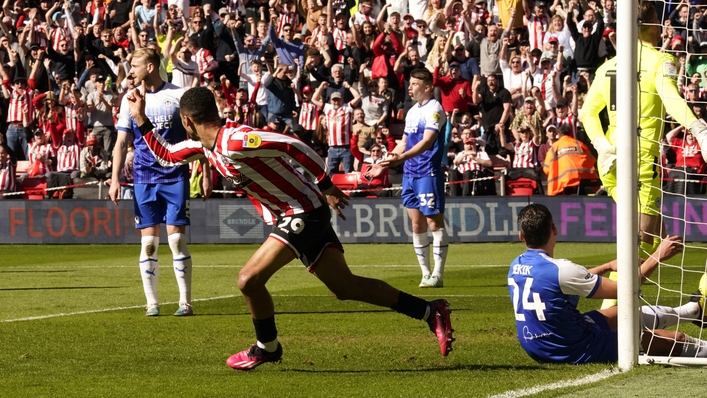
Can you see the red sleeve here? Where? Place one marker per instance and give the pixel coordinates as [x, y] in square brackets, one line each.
[391, 142]
[435, 76]
[354, 148]
[32, 83]
[173, 154]
[37, 100]
[376, 48]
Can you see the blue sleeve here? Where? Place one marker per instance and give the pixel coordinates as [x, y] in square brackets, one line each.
[273, 38]
[83, 78]
[447, 139]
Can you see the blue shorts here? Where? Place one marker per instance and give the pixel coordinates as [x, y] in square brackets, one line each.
[166, 203]
[596, 343]
[605, 347]
[425, 194]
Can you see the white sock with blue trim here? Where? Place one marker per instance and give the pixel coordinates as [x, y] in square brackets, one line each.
[149, 267]
[181, 261]
[421, 243]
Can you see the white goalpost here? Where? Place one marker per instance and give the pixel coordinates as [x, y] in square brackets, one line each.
[661, 289]
[626, 176]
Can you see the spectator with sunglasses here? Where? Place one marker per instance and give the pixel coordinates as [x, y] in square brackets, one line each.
[455, 92]
[286, 47]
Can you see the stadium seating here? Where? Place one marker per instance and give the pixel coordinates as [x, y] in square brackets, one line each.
[521, 187]
[34, 188]
[346, 181]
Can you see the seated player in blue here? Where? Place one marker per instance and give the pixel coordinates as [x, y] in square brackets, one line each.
[545, 292]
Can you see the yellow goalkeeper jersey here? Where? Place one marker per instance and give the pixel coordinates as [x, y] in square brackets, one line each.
[658, 93]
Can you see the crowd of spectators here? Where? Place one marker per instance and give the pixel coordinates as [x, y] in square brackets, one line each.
[511, 75]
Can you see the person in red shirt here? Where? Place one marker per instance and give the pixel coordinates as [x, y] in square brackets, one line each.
[455, 92]
[689, 164]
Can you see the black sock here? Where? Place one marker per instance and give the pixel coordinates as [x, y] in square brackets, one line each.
[265, 330]
[412, 306]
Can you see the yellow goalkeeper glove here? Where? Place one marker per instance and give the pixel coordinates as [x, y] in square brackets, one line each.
[606, 154]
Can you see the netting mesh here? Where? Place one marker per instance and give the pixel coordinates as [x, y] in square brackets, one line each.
[678, 164]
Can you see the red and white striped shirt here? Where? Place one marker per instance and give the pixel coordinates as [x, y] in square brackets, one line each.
[570, 120]
[40, 154]
[287, 17]
[537, 27]
[204, 60]
[263, 164]
[59, 34]
[525, 155]
[67, 158]
[470, 163]
[339, 36]
[317, 35]
[308, 115]
[478, 15]
[40, 38]
[74, 115]
[338, 123]
[8, 179]
[19, 100]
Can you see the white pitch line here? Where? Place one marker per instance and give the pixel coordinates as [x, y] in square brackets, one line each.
[34, 318]
[38, 317]
[593, 378]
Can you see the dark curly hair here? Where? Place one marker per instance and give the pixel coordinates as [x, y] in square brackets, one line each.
[199, 104]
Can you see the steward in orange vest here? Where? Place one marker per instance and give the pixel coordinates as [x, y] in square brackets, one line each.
[567, 163]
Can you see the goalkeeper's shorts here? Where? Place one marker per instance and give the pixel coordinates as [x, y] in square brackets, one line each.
[649, 194]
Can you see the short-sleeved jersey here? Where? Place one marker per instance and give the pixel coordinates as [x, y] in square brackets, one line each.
[275, 170]
[544, 292]
[162, 108]
[658, 93]
[428, 116]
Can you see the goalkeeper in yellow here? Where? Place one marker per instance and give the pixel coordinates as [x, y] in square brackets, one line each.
[658, 94]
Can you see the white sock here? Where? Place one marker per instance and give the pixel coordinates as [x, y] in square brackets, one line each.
[440, 242]
[149, 268]
[181, 261]
[661, 317]
[270, 346]
[421, 242]
[693, 347]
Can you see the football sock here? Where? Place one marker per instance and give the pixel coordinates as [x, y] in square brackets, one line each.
[266, 333]
[661, 317]
[181, 261]
[412, 306]
[693, 347]
[149, 267]
[421, 243]
[270, 346]
[440, 242]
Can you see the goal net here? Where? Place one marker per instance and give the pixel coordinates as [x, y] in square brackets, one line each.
[683, 204]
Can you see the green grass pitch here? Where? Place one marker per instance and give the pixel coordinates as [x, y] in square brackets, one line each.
[72, 325]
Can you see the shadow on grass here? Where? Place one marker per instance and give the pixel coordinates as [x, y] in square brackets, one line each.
[428, 369]
[61, 288]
